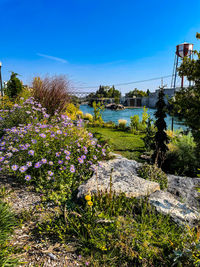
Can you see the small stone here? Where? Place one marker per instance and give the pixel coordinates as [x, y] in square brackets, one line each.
[52, 256]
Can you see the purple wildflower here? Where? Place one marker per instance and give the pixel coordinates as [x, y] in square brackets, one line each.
[44, 161]
[29, 164]
[94, 157]
[51, 163]
[23, 168]
[60, 162]
[67, 152]
[50, 173]
[67, 158]
[72, 169]
[80, 160]
[2, 159]
[27, 177]
[83, 157]
[37, 165]
[34, 141]
[58, 154]
[31, 152]
[14, 167]
[42, 135]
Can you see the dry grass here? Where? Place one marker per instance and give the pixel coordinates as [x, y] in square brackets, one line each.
[52, 92]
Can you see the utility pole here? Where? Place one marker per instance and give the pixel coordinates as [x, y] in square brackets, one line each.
[1, 86]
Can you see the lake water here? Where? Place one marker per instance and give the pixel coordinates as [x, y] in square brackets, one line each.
[115, 115]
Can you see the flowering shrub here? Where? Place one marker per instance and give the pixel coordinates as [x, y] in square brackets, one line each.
[53, 155]
[28, 111]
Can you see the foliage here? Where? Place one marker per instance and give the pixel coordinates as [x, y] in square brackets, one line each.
[5, 103]
[52, 93]
[7, 223]
[71, 111]
[112, 230]
[181, 157]
[88, 116]
[122, 124]
[135, 121]
[79, 114]
[137, 93]
[149, 135]
[98, 108]
[145, 116]
[55, 156]
[187, 100]
[14, 86]
[161, 138]
[154, 174]
[104, 92]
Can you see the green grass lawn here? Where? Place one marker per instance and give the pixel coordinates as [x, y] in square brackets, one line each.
[127, 144]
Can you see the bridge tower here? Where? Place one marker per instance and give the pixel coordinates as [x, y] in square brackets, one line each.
[182, 50]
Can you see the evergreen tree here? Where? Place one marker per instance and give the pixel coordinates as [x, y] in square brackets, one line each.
[14, 86]
[161, 138]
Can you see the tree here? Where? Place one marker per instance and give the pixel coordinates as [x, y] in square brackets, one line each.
[14, 86]
[186, 102]
[161, 138]
[137, 93]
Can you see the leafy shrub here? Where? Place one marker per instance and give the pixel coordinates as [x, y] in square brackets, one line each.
[98, 108]
[153, 173]
[122, 124]
[88, 117]
[112, 230]
[71, 111]
[181, 157]
[149, 135]
[55, 156]
[14, 86]
[145, 115]
[52, 93]
[79, 114]
[135, 121]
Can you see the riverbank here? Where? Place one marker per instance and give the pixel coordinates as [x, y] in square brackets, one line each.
[125, 114]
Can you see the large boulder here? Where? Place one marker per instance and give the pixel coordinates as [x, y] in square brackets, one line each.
[185, 189]
[166, 203]
[123, 175]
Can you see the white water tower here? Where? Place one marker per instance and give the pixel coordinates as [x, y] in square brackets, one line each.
[182, 50]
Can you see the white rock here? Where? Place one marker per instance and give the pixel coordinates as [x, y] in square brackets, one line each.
[184, 188]
[124, 179]
[181, 213]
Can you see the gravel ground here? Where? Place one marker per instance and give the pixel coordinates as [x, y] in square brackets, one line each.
[34, 252]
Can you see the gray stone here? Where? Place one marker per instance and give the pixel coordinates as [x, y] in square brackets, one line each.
[165, 203]
[184, 188]
[124, 179]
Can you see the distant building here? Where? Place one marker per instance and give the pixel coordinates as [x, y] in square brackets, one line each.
[148, 101]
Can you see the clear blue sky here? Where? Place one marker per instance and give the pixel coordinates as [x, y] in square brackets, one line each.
[95, 41]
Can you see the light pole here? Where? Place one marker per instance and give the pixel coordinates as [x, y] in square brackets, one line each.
[1, 87]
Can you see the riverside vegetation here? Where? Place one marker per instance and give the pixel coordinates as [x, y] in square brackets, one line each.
[50, 148]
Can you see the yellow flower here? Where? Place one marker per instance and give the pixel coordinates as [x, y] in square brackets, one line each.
[90, 203]
[88, 197]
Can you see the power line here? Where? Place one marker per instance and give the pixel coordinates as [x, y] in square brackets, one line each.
[119, 84]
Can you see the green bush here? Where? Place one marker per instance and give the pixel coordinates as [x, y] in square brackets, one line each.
[112, 230]
[181, 157]
[154, 174]
[14, 86]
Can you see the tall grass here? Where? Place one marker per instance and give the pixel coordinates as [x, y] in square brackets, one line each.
[7, 223]
[53, 93]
